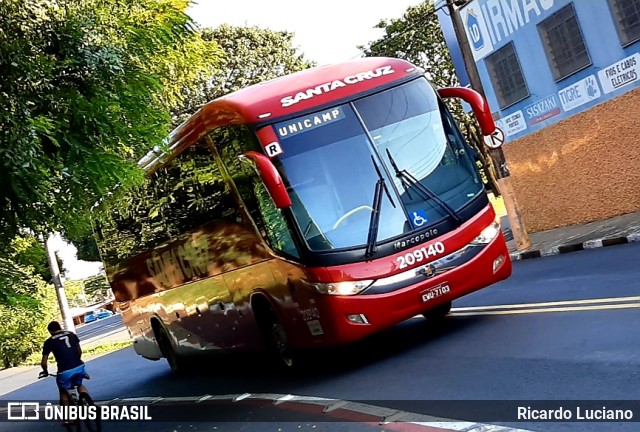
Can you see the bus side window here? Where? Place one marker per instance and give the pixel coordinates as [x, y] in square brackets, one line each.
[230, 142]
[117, 229]
[180, 196]
[198, 192]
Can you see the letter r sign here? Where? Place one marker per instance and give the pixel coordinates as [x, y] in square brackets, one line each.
[273, 149]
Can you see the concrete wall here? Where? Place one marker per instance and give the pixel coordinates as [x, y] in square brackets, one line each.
[584, 168]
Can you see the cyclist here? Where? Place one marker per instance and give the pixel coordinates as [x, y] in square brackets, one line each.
[65, 347]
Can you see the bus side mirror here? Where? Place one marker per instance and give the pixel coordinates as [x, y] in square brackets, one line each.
[271, 178]
[478, 104]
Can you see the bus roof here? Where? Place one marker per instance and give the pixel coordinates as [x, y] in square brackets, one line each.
[315, 86]
[287, 95]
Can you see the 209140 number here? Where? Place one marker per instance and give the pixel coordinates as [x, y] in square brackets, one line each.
[421, 254]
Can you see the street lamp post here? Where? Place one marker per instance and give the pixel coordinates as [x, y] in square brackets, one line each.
[57, 283]
[498, 160]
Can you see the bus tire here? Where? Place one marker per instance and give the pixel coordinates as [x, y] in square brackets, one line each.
[438, 313]
[175, 361]
[277, 341]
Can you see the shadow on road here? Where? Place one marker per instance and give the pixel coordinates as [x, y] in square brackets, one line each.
[232, 372]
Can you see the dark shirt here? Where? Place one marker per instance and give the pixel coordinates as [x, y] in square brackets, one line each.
[65, 347]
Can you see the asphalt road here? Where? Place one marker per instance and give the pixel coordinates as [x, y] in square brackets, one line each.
[561, 328]
[105, 329]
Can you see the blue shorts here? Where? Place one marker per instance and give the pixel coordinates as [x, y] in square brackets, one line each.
[70, 378]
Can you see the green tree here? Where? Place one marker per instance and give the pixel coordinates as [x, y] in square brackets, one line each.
[86, 88]
[26, 250]
[74, 289]
[27, 305]
[87, 250]
[417, 38]
[96, 287]
[251, 55]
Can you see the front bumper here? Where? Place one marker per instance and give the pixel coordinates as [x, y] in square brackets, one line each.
[387, 309]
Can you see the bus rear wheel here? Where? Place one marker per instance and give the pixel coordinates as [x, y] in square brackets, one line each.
[438, 313]
[175, 361]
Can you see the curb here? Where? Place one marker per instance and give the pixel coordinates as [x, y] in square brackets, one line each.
[335, 410]
[574, 247]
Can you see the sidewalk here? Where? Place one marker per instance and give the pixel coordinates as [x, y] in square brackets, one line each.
[617, 230]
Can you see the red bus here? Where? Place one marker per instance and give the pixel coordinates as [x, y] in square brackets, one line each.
[304, 212]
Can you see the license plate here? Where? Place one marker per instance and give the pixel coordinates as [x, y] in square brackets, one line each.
[435, 292]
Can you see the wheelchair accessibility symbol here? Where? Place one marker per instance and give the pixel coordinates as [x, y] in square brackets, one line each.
[418, 218]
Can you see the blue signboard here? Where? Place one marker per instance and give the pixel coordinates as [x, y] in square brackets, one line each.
[474, 32]
[549, 94]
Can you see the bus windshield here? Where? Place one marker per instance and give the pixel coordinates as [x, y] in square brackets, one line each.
[405, 137]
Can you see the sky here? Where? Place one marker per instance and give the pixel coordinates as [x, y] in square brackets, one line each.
[75, 269]
[327, 31]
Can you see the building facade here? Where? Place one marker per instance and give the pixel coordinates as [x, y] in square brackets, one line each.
[562, 79]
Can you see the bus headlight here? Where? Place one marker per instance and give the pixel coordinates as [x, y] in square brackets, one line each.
[487, 234]
[341, 288]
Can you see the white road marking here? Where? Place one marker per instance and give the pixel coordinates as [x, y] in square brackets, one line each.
[388, 416]
[555, 303]
[548, 310]
[606, 303]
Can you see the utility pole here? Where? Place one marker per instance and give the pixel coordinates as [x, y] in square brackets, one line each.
[498, 160]
[57, 283]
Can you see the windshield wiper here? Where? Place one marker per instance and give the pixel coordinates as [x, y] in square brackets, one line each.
[381, 187]
[408, 179]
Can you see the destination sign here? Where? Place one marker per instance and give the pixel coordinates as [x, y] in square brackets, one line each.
[311, 121]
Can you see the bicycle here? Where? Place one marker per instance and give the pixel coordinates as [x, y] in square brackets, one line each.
[81, 399]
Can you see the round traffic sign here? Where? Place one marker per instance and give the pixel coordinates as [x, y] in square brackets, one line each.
[495, 140]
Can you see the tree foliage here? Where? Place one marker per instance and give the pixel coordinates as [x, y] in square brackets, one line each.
[74, 290]
[83, 240]
[86, 88]
[417, 38]
[27, 305]
[251, 55]
[97, 287]
[27, 250]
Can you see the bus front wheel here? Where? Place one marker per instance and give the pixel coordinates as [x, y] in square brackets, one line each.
[438, 313]
[283, 349]
[277, 341]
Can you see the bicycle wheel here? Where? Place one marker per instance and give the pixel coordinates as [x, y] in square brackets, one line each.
[72, 427]
[91, 425]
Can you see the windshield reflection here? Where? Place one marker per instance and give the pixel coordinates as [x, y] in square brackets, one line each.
[327, 165]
